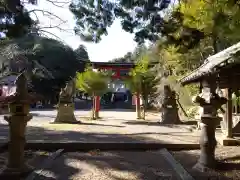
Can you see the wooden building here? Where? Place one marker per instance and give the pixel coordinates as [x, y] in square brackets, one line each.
[224, 70]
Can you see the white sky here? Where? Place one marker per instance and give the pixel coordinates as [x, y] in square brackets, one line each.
[116, 44]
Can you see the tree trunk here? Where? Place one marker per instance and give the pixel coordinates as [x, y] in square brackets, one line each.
[93, 107]
[138, 109]
[144, 108]
[97, 106]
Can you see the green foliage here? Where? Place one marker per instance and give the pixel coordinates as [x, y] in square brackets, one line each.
[127, 58]
[142, 79]
[91, 82]
[81, 53]
[132, 57]
[218, 20]
[195, 30]
[49, 62]
[14, 19]
[45, 57]
[139, 17]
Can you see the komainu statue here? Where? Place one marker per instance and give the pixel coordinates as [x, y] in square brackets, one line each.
[66, 104]
[169, 107]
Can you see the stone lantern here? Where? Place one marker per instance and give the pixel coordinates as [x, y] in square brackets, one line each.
[19, 107]
[210, 102]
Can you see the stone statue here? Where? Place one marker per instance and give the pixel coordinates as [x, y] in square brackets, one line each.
[66, 104]
[21, 84]
[67, 92]
[169, 107]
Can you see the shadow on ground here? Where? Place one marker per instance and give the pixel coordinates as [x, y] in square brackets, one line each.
[185, 125]
[115, 165]
[41, 134]
[154, 123]
[122, 165]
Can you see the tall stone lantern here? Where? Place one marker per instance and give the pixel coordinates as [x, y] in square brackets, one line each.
[210, 102]
[19, 107]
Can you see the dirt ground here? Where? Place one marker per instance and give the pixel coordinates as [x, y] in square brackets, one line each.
[33, 159]
[228, 168]
[120, 165]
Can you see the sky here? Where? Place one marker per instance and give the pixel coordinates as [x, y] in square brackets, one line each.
[116, 44]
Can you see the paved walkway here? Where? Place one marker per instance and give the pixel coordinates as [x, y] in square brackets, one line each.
[115, 126]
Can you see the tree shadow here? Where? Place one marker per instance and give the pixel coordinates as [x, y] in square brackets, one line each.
[42, 115]
[121, 165]
[118, 165]
[52, 170]
[41, 134]
[92, 124]
[227, 166]
[186, 125]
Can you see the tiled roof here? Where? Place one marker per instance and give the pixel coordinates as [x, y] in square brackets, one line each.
[210, 64]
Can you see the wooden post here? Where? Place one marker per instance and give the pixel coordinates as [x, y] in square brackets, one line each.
[228, 114]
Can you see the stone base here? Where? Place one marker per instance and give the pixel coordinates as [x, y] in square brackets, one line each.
[15, 172]
[225, 141]
[66, 114]
[200, 167]
[170, 116]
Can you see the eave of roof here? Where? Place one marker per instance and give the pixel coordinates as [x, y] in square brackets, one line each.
[210, 64]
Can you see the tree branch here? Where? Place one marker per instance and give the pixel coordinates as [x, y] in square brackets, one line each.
[40, 28]
[56, 26]
[43, 33]
[57, 3]
[49, 14]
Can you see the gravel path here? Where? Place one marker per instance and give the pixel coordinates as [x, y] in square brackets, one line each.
[110, 166]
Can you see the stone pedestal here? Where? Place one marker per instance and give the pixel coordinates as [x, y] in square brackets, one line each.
[65, 113]
[16, 165]
[170, 115]
[207, 144]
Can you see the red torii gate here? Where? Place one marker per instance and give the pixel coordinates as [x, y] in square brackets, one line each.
[117, 69]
